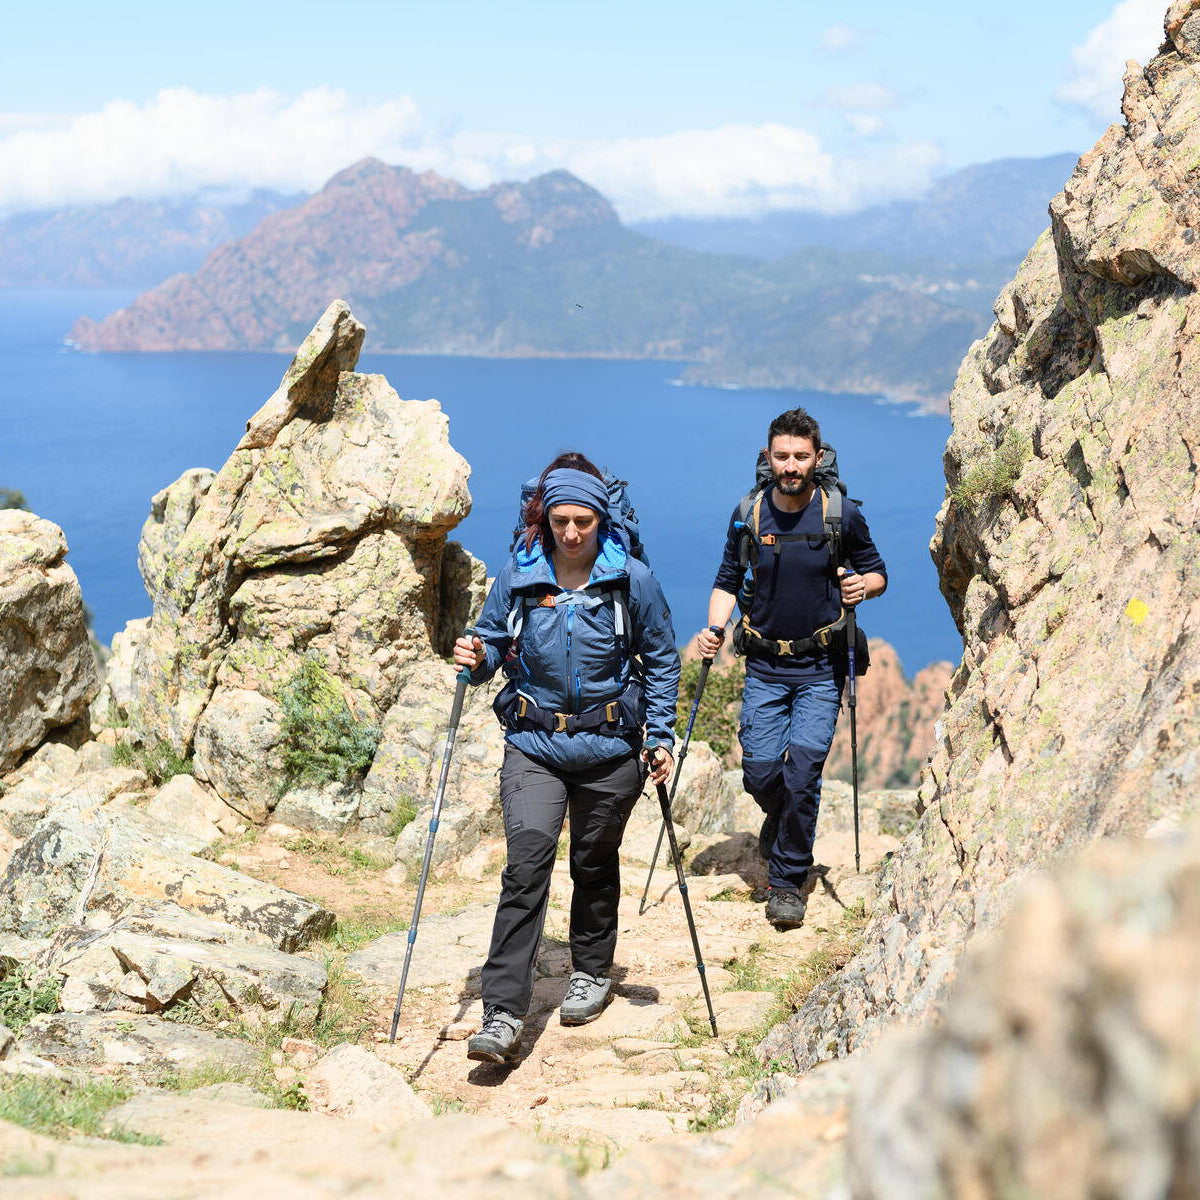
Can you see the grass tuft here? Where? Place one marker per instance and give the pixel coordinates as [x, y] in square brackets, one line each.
[995, 478]
[23, 996]
[160, 761]
[333, 855]
[59, 1109]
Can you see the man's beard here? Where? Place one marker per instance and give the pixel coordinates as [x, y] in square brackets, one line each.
[793, 485]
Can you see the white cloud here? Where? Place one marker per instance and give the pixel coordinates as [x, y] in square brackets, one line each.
[866, 124]
[1134, 29]
[861, 97]
[839, 38]
[184, 140]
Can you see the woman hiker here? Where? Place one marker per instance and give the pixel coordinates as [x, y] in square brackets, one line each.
[584, 635]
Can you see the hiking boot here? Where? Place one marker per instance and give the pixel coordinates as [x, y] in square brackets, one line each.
[785, 908]
[499, 1041]
[585, 1000]
[766, 835]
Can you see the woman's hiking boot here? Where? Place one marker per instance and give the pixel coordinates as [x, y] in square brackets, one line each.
[585, 1000]
[499, 1041]
[785, 908]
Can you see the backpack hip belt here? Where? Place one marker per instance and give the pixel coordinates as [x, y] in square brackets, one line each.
[827, 639]
[611, 718]
[821, 641]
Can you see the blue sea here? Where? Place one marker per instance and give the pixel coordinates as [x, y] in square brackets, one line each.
[89, 438]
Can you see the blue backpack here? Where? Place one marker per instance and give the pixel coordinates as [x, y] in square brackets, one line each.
[622, 519]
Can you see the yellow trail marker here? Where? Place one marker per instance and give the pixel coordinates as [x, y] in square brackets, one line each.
[1137, 611]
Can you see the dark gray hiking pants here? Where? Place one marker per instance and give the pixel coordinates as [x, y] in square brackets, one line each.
[536, 798]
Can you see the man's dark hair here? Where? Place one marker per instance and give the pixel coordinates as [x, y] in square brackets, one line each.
[795, 423]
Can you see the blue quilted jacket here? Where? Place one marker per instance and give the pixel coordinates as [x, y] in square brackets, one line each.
[578, 652]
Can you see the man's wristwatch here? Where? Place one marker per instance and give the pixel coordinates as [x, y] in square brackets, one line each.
[717, 631]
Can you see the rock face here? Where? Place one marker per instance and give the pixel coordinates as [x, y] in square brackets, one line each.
[1067, 545]
[47, 670]
[321, 538]
[1065, 1064]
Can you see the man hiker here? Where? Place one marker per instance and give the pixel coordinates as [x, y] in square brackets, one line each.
[794, 668]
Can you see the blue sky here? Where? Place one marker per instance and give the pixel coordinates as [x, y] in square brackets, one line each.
[697, 107]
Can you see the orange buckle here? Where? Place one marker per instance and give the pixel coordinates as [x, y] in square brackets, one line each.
[560, 722]
[610, 712]
[549, 600]
[767, 539]
[522, 706]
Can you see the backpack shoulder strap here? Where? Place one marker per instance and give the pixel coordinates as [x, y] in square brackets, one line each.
[749, 506]
[831, 518]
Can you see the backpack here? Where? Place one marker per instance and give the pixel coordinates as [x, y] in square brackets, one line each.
[622, 518]
[750, 544]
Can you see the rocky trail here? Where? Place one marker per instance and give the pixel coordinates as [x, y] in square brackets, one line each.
[318, 1102]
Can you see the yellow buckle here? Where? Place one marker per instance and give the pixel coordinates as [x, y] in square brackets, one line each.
[560, 722]
[785, 647]
[522, 707]
[610, 712]
[823, 637]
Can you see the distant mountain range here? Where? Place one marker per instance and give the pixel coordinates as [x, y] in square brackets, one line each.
[995, 210]
[131, 243]
[545, 267]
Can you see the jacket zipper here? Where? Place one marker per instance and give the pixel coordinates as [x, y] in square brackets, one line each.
[571, 671]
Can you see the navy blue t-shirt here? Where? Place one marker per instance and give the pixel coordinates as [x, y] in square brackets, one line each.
[795, 592]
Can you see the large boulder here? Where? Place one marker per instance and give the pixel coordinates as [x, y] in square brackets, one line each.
[88, 860]
[1066, 1061]
[322, 537]
[1067, 545]
[47, 669]
[151, 973]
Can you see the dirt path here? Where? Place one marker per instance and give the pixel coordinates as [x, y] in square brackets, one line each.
[649, 1066]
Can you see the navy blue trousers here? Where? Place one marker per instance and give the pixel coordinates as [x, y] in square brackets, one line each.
[785, 732]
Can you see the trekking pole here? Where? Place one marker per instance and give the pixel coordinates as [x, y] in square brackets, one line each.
[460, 691]
[852, 702]
[687, 737]
[652, 748]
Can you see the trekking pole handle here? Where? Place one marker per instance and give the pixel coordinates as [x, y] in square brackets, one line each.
[464, 673]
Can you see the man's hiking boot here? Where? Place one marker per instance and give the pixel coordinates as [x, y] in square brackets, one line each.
[585, 1000]
[499, 1041]
[766, 835]
[785, 908]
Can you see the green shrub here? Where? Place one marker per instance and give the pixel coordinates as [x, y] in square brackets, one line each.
[994, 479]
[717, 717]
[22, 997]
[322, 741]
[12, 499]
